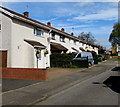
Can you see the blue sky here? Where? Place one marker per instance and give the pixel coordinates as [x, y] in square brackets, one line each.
[95, 17]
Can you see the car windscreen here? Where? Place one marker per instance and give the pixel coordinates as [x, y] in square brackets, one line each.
[79, 55]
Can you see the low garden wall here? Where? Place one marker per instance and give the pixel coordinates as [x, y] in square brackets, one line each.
[23, 73]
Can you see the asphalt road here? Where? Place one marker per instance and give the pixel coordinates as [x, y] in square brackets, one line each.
[94, 91]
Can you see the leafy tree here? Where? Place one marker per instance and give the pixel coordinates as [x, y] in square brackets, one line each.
[87, 37]
[115, 35]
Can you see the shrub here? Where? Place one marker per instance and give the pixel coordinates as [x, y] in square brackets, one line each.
[61, 60]
[81, 63]
[100, 59]
[66, 61]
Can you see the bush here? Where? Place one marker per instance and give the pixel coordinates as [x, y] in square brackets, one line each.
[66, 61]
[81, 63]
[114, 54]
[61, 60]
[100, 59]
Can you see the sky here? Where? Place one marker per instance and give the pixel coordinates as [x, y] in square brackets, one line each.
[88, 16]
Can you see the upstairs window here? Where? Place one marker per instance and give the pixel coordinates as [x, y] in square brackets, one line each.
[82, 44]
[53, 35]
[75, 42]
[62, 38]
[69, 40]
[38, 31]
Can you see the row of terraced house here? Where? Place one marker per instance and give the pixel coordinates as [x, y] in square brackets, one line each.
[24, 38]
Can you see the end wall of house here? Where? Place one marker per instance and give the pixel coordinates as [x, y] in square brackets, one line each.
[6, 36]
[23, 53]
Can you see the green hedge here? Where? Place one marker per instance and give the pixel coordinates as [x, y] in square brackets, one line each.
[66, 61]
[81, 63]
[100, 59]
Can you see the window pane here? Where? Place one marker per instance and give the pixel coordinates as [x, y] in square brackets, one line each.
[79, 56]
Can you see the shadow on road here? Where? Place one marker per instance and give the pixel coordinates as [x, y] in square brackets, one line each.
[113, 82]
[12, 84]
[116, 68]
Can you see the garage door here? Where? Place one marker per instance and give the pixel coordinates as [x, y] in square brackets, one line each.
[3, 58]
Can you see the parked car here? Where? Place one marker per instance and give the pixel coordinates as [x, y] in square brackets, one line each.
[84, 56]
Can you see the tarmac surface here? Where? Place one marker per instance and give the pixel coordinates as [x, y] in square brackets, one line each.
[39, 91]
[102, 89]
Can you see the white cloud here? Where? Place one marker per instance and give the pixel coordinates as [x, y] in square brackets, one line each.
[111, 14]
[78, 26]
[52, 19]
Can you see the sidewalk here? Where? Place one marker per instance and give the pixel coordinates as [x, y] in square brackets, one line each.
[54, 73]
[37, 92]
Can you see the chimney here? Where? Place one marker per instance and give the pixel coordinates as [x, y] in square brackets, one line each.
[72, 34]
[79, 37]
[62, 29]
[49, 24]
[26, 14]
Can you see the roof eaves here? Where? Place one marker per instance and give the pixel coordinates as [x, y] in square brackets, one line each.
[6, 12]
[26, 19]
[29, 21]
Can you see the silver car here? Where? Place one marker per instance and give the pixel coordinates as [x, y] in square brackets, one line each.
[84, 56]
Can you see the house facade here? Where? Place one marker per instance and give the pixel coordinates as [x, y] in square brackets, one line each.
[27, 43]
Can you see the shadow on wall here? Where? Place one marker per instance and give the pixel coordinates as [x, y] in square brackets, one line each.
[113, 82]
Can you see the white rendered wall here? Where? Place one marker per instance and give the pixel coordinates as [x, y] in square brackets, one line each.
[23, 54]
[6, 36]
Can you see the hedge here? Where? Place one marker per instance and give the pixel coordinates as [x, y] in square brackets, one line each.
[66, 61]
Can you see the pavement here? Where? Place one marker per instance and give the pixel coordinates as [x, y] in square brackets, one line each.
[39, 91]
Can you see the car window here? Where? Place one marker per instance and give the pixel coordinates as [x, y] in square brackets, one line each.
[79, 56]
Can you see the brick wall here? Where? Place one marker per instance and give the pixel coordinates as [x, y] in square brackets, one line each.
[23, 73]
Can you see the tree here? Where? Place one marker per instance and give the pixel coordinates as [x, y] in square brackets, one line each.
[115, 35]
[87, 37]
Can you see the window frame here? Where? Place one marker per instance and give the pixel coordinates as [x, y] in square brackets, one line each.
[62, 38]
[36, 29]
[53, 35]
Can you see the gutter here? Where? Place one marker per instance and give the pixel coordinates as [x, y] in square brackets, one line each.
[26, 20]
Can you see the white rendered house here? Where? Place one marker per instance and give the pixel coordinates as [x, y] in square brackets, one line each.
[22, 37]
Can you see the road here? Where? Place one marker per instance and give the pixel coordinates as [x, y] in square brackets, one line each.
[88, 92]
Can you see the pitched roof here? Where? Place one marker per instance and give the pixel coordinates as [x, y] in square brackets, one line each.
[49, 27]
[44, 25]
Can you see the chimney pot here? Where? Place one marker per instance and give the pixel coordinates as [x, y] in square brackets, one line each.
[79, 37]
[26, 14]
[72, 34]
[49, 24]
[62, 29]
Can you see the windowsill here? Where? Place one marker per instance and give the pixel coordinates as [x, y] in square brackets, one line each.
[52, 38]
[40, 36]
[62, 41]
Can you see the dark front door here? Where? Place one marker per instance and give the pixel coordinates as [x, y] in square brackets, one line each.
[3, 58]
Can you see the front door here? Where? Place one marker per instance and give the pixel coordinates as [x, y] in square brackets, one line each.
[3, 58]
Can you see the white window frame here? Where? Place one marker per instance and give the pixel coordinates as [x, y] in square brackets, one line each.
[40, 30]
[62, 38]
